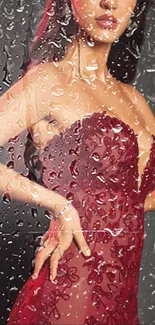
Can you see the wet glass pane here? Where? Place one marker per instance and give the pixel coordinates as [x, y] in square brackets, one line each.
[77, 162]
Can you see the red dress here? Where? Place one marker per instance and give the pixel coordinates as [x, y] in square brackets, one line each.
[95, 163]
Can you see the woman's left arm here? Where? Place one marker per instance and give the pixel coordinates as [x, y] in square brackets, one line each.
[145, 112]
[147, 115]
[150, 202]
[141, 108]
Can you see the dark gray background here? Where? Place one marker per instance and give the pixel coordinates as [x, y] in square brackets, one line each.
[20, 223]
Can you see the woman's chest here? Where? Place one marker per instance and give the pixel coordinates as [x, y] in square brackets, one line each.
[78, 104]
[82, 101]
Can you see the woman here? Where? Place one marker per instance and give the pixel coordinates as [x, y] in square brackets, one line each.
[98, 168]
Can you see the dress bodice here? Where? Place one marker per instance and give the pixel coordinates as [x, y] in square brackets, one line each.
[100, 151]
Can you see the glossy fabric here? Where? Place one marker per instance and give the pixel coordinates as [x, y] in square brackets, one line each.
[94, 162]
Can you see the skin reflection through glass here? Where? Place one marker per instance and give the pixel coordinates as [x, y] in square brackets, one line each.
[95, 140]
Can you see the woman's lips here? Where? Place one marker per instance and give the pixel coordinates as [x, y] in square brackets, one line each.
[106, 21]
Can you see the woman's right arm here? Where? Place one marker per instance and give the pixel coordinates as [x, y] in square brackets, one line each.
[28, 101]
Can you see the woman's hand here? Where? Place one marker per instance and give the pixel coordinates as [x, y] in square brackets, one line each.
[57, 240]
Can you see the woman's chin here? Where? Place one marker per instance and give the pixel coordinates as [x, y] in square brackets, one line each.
[106, 36]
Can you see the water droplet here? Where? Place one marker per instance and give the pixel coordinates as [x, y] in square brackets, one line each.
[96, 156]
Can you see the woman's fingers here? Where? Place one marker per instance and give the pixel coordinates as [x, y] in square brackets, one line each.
[42, 254]
[51, 233]
[82, 244]
[54, 260]
[66, 238]
[44, 238]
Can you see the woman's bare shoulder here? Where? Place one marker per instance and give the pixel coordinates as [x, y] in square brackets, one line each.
[38, 77]
[44, 71]
[29, 100]
[131, 91]
[135, 96]
[141, 106]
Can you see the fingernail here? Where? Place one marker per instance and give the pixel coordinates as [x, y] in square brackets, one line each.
[54, 281]
[34, 276]
[51, 278]
[88, 252]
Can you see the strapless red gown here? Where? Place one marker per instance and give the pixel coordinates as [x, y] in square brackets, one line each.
[95, 163]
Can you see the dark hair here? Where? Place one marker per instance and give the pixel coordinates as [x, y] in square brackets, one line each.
[54, 33]
[124, 54]
[58, 26]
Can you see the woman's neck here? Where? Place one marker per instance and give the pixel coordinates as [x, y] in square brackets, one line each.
[87, 60]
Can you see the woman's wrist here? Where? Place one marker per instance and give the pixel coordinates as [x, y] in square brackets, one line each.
[60, 213]
[42, 196]
[55, 202]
